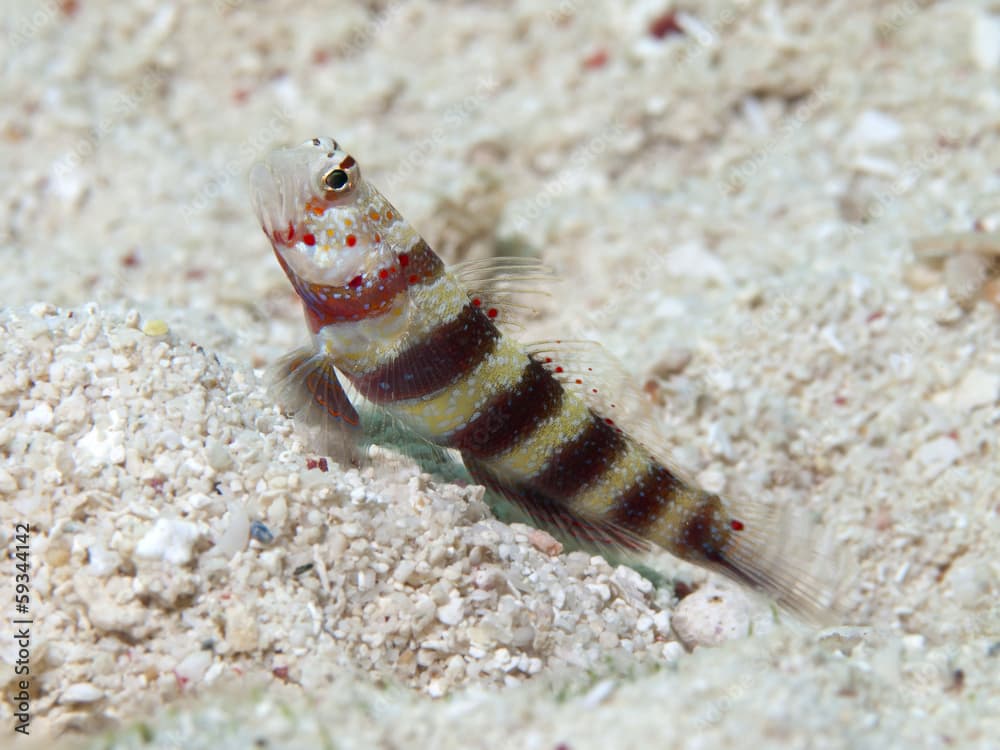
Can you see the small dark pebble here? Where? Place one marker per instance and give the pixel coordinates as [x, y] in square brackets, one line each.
[321, 464]
[302, 569]
[261, 533]
[665, 25]
[681, 589]
[957, 681]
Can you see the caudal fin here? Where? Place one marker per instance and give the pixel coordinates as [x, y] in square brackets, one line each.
[777, 551]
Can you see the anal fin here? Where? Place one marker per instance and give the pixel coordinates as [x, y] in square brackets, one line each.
[599, 535]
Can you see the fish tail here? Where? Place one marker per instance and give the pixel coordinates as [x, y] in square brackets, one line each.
[772, 549]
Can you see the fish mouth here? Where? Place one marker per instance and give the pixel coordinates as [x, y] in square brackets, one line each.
[277, 193]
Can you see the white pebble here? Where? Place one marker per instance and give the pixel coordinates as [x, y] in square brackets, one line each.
[169, 540]
[661, 620]
[40, 416]
[236, 533]
[711, 616]
[873, 127]
[194, 665]
[937, 455]
[978, 388]
[101, 562]
[452, 612]
[103, 446]
[672, 651]
[598, 694]
[404, 570]
[217, 455]
[81, 692]
[8, 484]
[986, 41]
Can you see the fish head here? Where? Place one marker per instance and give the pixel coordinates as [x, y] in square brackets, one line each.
[326, 223]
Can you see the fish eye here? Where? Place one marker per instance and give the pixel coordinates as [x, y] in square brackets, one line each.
[336, 180]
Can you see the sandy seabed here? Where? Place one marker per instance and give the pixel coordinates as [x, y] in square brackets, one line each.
[732, 193]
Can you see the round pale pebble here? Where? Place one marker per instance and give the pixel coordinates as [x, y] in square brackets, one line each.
[710, 616]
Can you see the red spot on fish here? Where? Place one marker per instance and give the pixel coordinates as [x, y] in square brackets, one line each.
[69, 7]
[404, 259]
[875, 316]
[355, 282]
[414, 279]
[665, 24]
[596, 59]
[492, 312]
[840, 400]
[309, 239]
[130, 259]
[240, 95]
[378, 237]
[383, 274]
[736, 525]
[320, 56]
[558, 369]
[476, 302]
[351, 240]
[291, 232]
[608, 420]
[548, 360]
[578, 381]
[281, 673]
[953, 434]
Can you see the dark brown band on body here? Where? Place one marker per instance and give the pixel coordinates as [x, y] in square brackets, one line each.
[582, 460]
[511, 415]
[700, 536]
[442, 357]
[642, 503]
[365, 296]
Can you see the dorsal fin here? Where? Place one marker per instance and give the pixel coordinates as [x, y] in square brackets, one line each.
[589, 370]
[495, 285]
